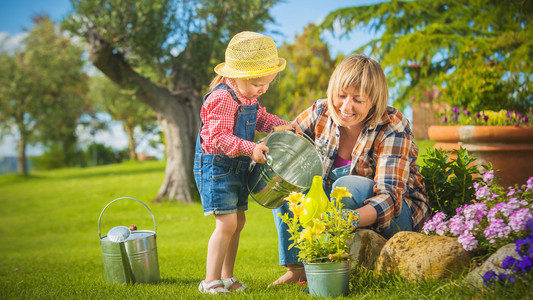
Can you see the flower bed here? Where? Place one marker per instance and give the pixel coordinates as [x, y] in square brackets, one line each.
[497, 217]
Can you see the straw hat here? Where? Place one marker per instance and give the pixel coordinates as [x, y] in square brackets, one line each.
[250, 55]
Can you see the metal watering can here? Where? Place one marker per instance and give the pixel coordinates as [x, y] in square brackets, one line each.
[129, 257]
[292, 162]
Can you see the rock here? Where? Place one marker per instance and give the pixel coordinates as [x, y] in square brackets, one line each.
[494, 262]
[366, 245]
[414, 255]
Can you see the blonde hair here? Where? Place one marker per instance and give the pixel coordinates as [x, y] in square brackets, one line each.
[365, 74]
[218, 79]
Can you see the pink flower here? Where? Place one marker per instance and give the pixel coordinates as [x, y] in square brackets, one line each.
[519, 219]
[468, 241]
[457, 224]
[436, 222]
[529, 184]
[496, 229]
[488, 177]
[482, 192]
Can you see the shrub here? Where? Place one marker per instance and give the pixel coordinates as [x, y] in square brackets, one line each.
[450, 182]
[497, 216]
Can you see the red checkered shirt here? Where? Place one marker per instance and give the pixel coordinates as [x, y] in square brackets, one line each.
[219, 114]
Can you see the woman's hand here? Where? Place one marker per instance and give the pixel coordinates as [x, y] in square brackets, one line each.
[296, 128]
[258, 154]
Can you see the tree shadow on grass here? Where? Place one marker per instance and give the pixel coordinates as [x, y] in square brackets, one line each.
[6, 179]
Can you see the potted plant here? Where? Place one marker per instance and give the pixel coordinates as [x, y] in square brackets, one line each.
[503, 138]
[323, 242]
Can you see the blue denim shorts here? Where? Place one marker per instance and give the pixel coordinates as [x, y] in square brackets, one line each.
[221, 182]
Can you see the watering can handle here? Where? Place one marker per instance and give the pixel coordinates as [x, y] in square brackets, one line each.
[287, 127]
[100, 218]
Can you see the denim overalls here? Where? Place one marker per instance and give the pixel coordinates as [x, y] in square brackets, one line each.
[221, 180]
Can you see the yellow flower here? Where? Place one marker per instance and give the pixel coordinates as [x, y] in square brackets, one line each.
[307, 233]
[318, 227]
[295, 198]
[297, 209]
[340, 192]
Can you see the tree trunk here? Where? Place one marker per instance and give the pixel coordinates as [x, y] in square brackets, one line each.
[179, 112]
[22, 167]
[131, 142]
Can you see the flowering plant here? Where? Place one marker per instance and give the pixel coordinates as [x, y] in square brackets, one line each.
[497, 216]
[326, 238]
[457, 116]
[515, 268]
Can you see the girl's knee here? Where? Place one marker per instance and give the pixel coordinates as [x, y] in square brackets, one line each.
[241, 220]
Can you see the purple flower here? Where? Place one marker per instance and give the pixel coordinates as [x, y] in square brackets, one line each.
[489, 277]
[525, 264]
[455, 110]
[445, 119]
[523, 246]
[509, 262]
[485, 118]
[467, 113]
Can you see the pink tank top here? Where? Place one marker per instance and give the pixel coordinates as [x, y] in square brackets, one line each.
[341, 162]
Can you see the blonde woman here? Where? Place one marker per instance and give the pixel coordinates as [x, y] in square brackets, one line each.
[368, 148]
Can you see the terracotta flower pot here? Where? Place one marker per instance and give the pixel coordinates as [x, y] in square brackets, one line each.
[508, 148]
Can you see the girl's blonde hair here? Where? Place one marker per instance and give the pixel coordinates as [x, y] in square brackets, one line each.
[365, 74]
[218, 79]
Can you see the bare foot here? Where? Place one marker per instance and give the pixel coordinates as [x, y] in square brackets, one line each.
[294, 275]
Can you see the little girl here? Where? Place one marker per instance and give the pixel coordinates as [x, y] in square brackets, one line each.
[230, 115]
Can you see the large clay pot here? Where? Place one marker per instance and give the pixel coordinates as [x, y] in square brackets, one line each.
[508, 148]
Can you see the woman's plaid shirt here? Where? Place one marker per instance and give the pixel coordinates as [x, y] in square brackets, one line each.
[385, 153]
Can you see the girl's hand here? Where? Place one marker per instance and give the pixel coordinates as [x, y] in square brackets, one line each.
[258, 153]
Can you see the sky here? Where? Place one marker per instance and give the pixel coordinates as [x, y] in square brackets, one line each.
[291, 16]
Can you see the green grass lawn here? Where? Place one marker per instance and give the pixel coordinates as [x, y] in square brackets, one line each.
[50, 246]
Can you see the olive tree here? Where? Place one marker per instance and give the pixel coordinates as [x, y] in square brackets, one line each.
[164, 51]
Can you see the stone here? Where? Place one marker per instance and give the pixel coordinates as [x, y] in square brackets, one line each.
[414, 255]
[365, 248]
[494, 263]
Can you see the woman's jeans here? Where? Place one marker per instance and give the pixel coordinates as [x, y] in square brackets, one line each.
[361, 189]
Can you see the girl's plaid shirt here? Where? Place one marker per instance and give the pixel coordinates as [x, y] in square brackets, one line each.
[219, 114]
[385, 153]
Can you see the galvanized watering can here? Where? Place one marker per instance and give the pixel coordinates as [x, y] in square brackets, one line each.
[129, 257]
[292, 163]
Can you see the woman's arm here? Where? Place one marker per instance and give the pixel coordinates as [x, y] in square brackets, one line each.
[391, 177]
[368, 215]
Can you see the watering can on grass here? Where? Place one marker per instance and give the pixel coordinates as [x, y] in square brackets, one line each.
[129, 256]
